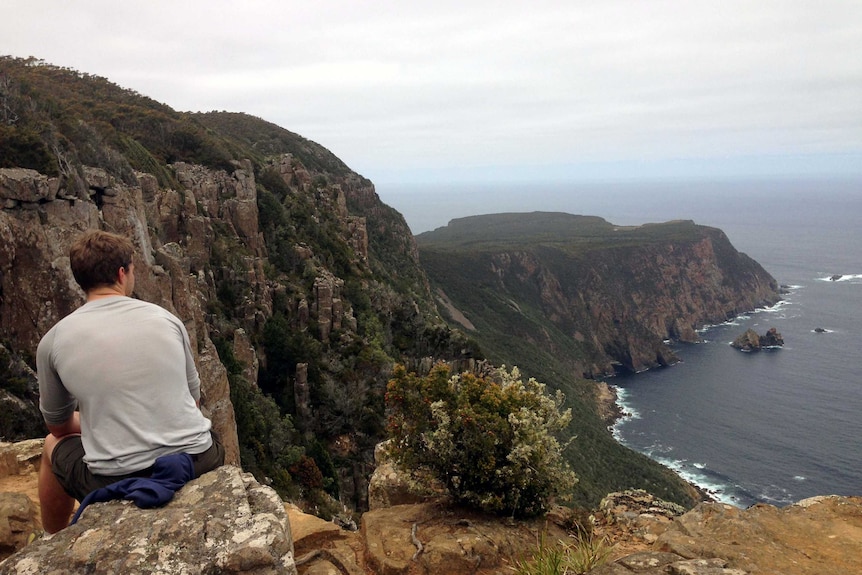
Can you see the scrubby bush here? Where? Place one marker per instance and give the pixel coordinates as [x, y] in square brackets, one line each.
[489, 439]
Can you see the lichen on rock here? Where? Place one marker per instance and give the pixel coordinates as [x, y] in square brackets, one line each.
[222, 522]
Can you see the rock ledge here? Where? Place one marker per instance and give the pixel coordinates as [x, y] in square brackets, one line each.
[222, 522]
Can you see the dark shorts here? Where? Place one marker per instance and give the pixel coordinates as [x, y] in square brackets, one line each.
[67, 463]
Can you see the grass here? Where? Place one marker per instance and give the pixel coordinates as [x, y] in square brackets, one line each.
[583, 553]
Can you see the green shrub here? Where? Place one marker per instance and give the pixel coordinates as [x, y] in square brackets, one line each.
[489, 439]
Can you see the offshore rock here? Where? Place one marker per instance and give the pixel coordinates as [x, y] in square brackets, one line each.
[751, 341]
[222, 522]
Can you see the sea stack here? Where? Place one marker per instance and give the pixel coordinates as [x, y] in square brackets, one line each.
[751, 341]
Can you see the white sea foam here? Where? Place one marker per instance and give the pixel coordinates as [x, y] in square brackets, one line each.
[694, 474]
[852, 278]
[798, 478]
[629, 412]
[776, 495]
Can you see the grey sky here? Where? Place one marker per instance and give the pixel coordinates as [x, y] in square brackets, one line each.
[490, 90]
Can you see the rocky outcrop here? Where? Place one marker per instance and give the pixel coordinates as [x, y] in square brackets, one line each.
[751, 341]
[391, 485]
[225, 522]
[222, 522]
[20, 417]
[812, 537]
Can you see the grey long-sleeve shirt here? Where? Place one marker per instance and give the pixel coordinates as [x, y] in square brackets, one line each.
[127, 366]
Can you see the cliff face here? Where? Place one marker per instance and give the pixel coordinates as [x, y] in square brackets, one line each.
[40, 220]
[601, 297]
[299, 288]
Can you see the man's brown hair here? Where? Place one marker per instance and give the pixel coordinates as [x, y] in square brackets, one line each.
[97, 257]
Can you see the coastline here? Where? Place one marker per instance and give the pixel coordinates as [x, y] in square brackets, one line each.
[613, 411]
[620, 412]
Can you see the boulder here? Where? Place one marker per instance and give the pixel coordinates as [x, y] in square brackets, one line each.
[751, 341]
[391, 485]
[17, 522]
[639, 514]
[222, 522]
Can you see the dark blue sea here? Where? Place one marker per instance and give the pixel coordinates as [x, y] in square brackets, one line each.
[775, 426]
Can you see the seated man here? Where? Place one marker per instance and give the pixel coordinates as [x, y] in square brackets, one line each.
[118, 385]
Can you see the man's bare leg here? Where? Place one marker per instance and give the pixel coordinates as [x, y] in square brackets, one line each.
[55, 503]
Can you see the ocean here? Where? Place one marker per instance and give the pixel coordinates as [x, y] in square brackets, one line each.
[775, 426]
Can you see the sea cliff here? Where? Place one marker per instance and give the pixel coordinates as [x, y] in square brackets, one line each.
[601, 298]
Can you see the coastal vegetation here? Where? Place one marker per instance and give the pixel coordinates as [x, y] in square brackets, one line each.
[490, 439]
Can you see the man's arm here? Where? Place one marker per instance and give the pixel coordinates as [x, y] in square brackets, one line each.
[58, 406]
[71, 426]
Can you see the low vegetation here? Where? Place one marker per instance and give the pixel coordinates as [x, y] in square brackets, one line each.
[584, 552]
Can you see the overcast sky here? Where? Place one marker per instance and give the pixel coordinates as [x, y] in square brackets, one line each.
[493, 90]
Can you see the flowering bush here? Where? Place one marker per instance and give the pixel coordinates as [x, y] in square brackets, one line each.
[489, 439]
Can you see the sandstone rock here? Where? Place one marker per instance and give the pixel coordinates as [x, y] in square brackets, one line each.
[642, 515]
[222, 522]
[20, 457]
[391, 485]
[25, 185]
[434, 538]
[815, 536]
[322, 547]
[17, 522]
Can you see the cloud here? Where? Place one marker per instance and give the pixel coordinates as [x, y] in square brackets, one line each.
[394, 87]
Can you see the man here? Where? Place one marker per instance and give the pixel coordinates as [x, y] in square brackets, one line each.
[118, 385]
